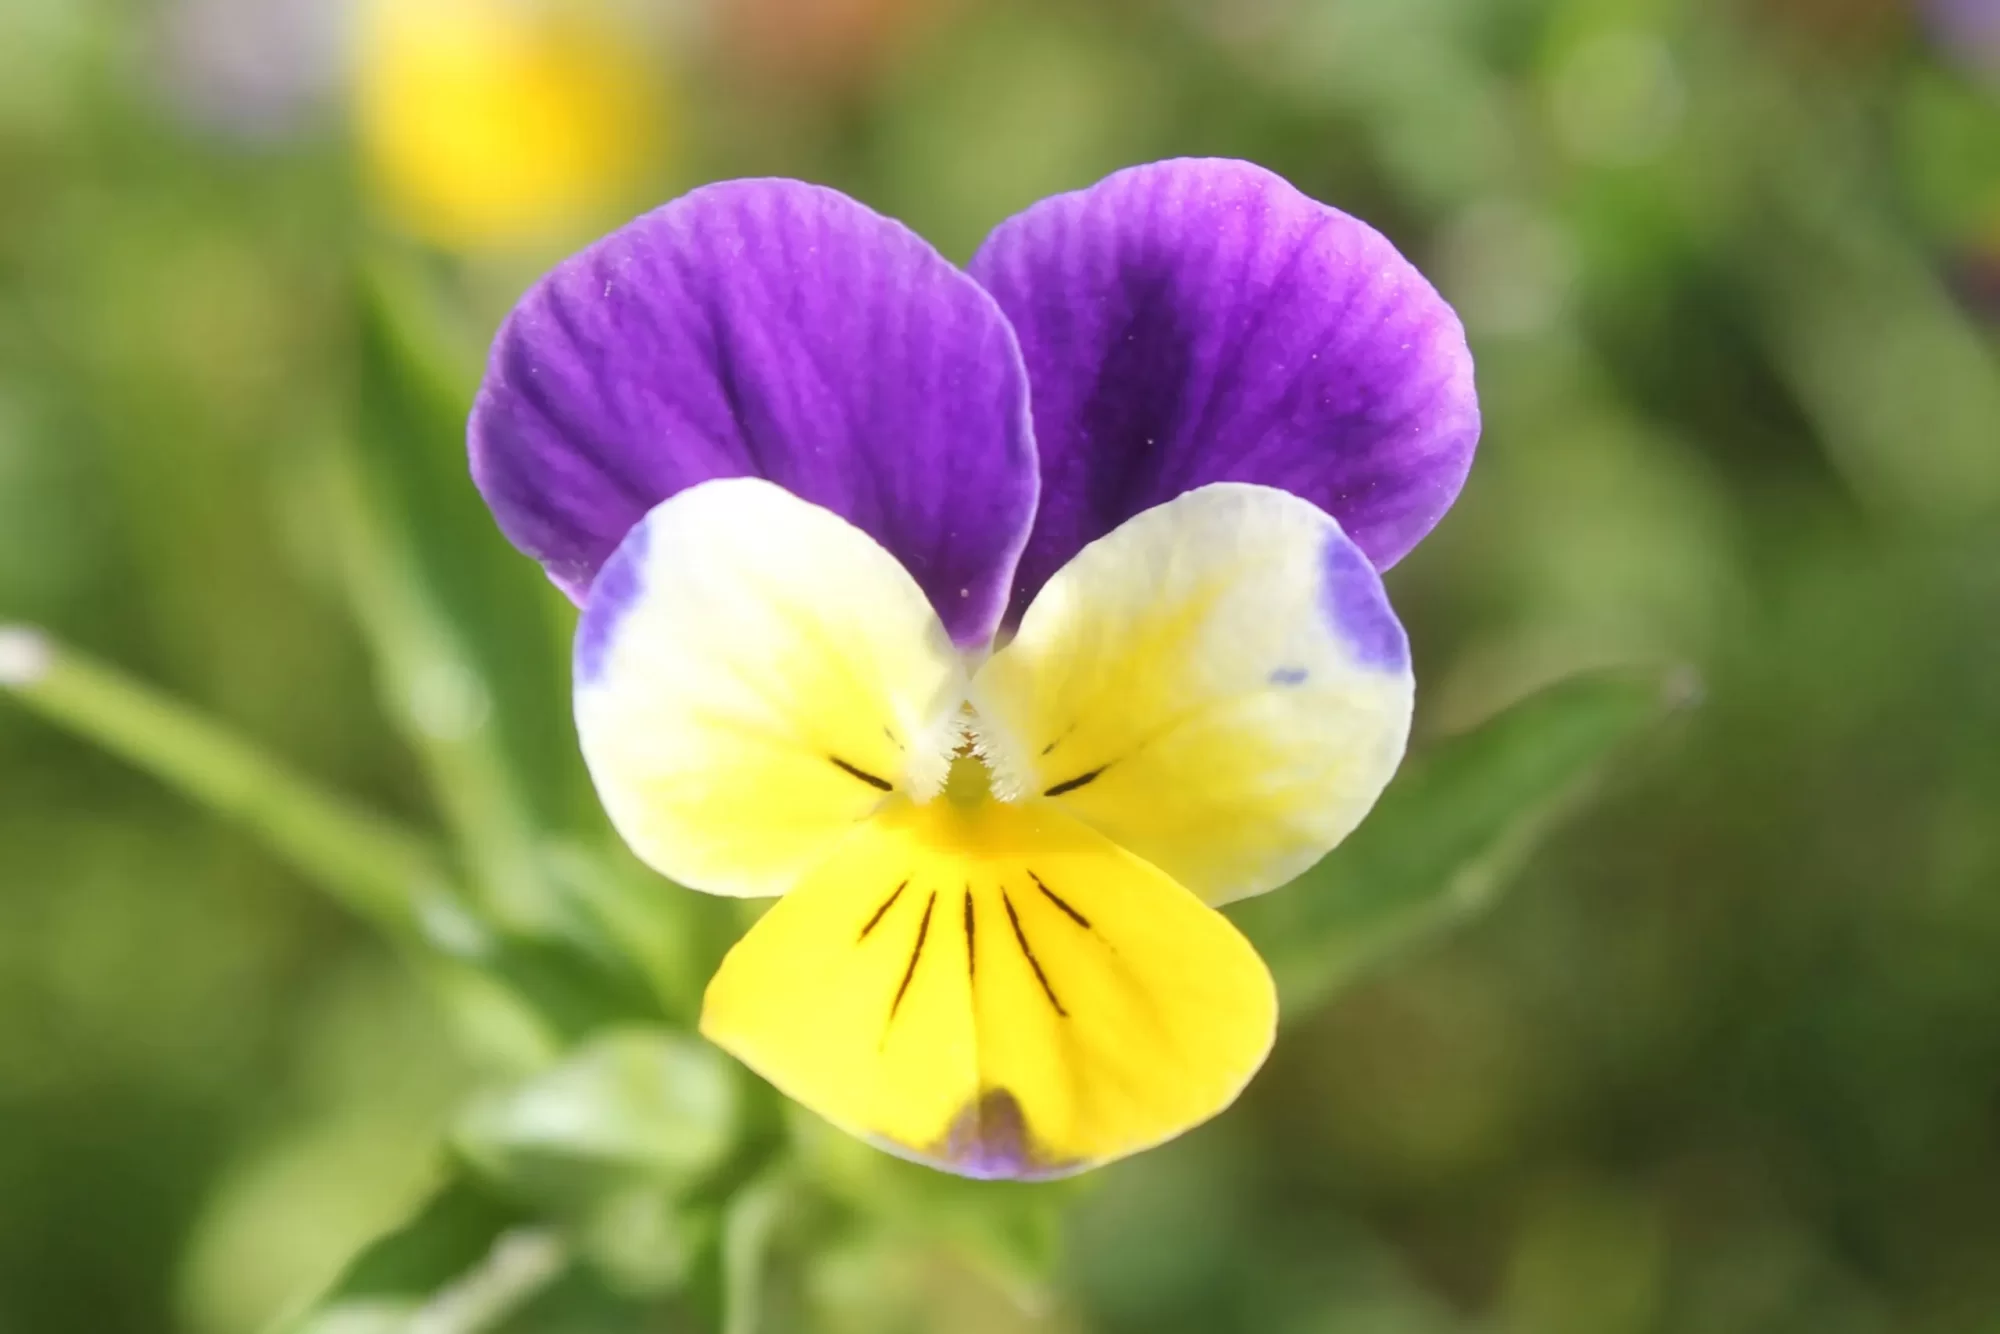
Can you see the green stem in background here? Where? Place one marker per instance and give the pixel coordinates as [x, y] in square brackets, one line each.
[521, 1264]
[749, 1224]
[376, 868]
[387, 874]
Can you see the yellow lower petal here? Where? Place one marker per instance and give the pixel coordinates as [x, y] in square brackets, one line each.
[996, 990]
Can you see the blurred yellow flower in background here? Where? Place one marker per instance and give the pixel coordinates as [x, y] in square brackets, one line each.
[489, 124]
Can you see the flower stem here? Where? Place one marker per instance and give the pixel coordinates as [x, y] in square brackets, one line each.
[750, 1222]
[376, 868]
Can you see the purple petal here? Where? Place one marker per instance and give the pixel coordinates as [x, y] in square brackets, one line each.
[1201, 321]
[764, 329]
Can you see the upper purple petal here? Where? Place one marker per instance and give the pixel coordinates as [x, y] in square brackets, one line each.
[768, 329]
[1202, 321]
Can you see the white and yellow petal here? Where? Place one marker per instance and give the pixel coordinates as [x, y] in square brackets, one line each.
[1218, 686]
[753, 676]
[996, 990]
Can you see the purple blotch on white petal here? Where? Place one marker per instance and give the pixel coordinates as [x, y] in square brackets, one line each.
[1357, 606]
[617, 588]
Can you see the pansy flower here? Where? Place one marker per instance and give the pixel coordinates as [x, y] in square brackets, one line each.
[1003, 623]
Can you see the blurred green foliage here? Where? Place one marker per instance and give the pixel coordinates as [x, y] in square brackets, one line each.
[1727, 1058]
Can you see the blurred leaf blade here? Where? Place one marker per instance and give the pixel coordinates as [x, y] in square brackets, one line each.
[1450, 830]
[634, 1105]
[459, 1265]
[573, 989]
[1010, 1231]
[458, 621]
[470, 1263]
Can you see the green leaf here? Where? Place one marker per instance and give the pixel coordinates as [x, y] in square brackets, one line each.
[464, 1261]
[467, 634]
[574, 990]
[1010, 1230]
[469, 1263]
[668, 939]
[646, 1241]
[581, 1303]
[636, 1107]
[1450, 830]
